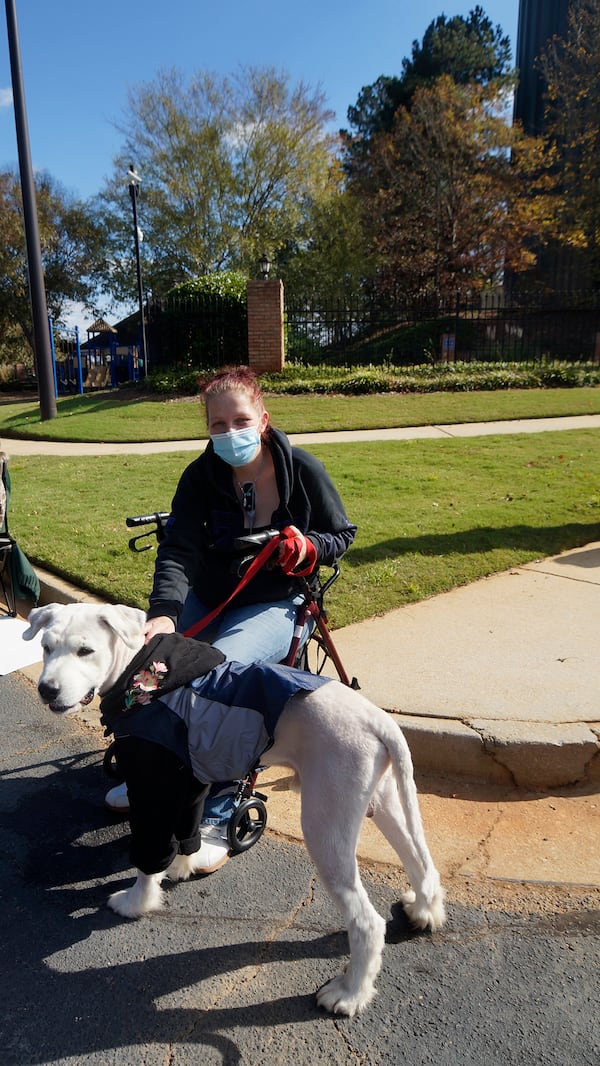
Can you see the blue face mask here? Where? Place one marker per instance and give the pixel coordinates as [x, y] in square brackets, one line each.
[238, 447]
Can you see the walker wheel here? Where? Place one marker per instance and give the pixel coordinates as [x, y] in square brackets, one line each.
[246, 825]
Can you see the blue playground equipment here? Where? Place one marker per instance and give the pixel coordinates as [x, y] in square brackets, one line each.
[66, 360]
[100, 364]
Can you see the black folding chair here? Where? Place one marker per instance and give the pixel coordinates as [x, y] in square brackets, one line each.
[8, 605]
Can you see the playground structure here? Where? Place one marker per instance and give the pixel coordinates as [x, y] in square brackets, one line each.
[101, 363]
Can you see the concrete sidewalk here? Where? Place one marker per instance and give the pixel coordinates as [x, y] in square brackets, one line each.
[498, 680]
[14, 446]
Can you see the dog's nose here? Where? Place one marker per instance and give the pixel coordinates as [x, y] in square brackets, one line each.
[47, 692]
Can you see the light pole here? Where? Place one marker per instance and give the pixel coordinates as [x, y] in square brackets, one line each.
[37, 288]
[134, 192]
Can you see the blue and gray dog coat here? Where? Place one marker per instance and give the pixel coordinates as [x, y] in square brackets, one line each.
[218, 717]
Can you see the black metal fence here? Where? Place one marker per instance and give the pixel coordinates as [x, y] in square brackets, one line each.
[198, 330]
[499, 327]
[491, 328]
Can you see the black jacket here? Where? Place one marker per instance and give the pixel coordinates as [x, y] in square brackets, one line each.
[198, 550]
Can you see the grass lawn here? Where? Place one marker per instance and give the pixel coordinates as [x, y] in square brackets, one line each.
[120, 416]
[431, 514]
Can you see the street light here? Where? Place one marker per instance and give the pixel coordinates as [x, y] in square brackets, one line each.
[134, 192]
[264, 265]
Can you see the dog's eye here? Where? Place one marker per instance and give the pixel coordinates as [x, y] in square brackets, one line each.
[82, 652]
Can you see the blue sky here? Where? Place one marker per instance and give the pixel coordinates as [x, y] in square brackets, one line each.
[79, 59]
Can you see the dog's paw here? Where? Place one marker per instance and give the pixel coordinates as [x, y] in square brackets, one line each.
[336, 997]
[144, 897]
[425, 915]
[122, 903]
[182, 868]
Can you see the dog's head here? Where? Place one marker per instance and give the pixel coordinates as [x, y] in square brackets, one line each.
[86, 646]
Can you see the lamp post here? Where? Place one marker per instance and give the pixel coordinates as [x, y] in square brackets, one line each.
[37, 288]
[134, 192]
[264, 265]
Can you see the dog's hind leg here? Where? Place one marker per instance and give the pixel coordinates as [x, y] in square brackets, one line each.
[331, 826]
[424, 905]
[144, 896]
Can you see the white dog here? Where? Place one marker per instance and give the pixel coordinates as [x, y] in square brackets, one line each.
[349, 757]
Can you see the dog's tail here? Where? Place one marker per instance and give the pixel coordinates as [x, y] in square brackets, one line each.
[425, 905]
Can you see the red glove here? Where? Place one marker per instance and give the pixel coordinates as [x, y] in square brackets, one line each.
[296, 550]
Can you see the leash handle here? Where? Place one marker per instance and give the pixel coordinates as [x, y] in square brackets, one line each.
[257, 563]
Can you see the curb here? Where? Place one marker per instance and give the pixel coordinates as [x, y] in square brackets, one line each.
[54, 589]
[530, 756]
[527, 755]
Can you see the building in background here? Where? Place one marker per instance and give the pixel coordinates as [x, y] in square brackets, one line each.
[539, 20]
[559, 269]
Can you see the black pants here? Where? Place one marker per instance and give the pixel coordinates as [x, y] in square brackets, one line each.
[165, 803]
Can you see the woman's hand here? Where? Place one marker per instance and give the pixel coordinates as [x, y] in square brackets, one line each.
[296, 554]
[154, 626]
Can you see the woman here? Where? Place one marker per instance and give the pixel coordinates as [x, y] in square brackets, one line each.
[249, 478]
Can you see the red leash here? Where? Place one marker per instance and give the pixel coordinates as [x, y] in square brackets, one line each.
[256, 564]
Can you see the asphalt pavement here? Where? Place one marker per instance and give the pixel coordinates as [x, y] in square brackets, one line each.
[226, 973]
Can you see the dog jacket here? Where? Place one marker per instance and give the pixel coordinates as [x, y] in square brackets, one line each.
[218, 717]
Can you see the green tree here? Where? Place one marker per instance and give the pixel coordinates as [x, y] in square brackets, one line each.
[70, 243]
[571, 68]
[468, 50]
[329, 254]
[230, 166]
[460, 191]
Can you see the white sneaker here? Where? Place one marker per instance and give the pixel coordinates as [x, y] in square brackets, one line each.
[117, 800]
[214, 849]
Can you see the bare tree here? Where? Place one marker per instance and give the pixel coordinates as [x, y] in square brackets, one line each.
[230, 168]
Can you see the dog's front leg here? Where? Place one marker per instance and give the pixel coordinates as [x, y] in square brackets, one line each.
[144, 896]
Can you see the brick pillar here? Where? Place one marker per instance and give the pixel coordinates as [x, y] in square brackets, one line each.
[265, 326]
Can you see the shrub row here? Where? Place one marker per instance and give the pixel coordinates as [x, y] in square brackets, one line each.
[447, 377]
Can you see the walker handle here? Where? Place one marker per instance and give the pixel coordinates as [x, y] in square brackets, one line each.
[255, 540]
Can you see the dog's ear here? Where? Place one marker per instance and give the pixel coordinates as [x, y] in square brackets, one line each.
[40, 618]
[127, 622]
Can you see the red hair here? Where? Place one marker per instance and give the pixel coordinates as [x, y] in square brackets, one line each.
[232, 379]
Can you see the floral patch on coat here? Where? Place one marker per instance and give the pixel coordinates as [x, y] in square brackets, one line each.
[145, 684]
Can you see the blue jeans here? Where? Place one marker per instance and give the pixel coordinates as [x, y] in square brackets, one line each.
[258, 632]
